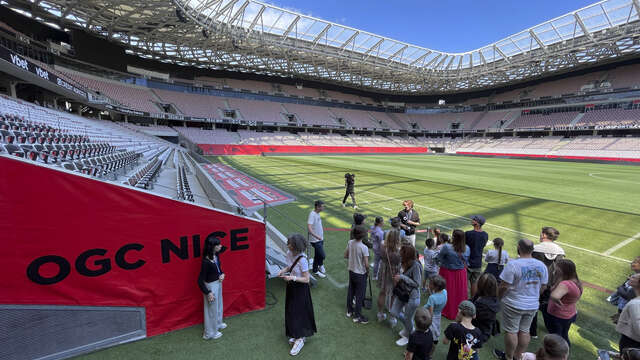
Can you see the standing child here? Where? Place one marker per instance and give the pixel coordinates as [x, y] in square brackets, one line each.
[377, 236]
[464, 338]
[430, 267]
[435, 304]
[496, 259]
[487, 306]
[420, 341]
[358, 255]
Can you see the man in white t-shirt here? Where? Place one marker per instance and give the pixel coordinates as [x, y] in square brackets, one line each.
[316, 238]
[523, 280]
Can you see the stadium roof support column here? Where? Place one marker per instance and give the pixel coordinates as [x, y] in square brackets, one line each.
[583, 27]
[537, 39]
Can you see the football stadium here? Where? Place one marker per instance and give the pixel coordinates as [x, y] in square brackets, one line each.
[236, 179]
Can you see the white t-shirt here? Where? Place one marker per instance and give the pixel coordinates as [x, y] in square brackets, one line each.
[525, 276]
[316, 225]
[357, 251]
[302, 265]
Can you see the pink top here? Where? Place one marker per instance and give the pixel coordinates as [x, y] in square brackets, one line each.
[568, 310]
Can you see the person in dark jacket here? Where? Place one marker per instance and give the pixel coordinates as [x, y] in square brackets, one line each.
[349, 185]
[487, 306]
[210, 283]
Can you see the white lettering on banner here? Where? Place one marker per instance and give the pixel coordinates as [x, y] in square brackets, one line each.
[65, 85]
[19, 62]
[42, 73]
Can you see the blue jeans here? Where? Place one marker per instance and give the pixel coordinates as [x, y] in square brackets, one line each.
[406, 315]
[318, 255]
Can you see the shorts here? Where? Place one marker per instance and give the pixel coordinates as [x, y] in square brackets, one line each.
[429, 274]
[516, 320]
[474, 274]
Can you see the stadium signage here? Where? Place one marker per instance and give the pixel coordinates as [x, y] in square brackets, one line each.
[123, 247]
[97, 262]
[26, 65]
[126, 110]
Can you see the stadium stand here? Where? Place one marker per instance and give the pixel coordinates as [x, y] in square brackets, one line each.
[611, 117]
[101, 149]
[135, 97]
[559, 119]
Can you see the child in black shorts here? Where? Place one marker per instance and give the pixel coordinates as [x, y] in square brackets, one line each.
[420, 340]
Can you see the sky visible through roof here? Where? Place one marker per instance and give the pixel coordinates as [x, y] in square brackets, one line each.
[450, 26]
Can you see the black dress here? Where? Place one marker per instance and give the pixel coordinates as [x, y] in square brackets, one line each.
[298, 314]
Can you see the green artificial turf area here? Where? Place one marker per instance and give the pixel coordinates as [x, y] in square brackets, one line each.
[595, 207]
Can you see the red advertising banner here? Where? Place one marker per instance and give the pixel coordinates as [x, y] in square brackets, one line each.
[73, 240]
[564, 157]
[230, 149]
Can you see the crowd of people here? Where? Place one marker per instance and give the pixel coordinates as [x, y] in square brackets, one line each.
[503, 297]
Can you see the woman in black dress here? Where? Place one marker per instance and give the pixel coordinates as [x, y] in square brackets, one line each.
[298, 315]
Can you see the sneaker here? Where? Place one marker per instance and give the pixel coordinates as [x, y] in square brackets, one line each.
[291, 341]
[222, 326]
[320, 275]
[534, 336]
[382, 316]
[498, 354]
[349, 314]
[401, 333]
[217, 335]
[361, 319]
[297, 346]
[355, 207]
[403, 341]
[343, 205]
[393, 321]
[322, 269]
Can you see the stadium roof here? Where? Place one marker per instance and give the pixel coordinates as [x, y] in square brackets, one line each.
[252, 36]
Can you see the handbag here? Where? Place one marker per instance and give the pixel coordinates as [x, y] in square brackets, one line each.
[367, 302]
[402, 291]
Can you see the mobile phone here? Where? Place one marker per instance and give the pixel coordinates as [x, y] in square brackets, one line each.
[288, 273]
[603, 355]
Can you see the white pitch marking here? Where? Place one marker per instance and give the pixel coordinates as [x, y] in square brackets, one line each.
[445, 226]
[488, 224]
[386, 208]
[595, 175]
[335, 283]
[622, 244]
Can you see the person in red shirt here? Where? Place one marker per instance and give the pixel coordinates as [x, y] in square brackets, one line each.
[565, 293]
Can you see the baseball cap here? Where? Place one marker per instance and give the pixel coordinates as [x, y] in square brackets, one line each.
[479, 219]
[359, 218]
[318, 203]
[467, 308]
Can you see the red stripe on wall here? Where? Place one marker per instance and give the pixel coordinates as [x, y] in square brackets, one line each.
[231, 149]
[552, 156]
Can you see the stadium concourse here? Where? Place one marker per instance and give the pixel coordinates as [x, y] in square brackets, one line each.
[118, 119]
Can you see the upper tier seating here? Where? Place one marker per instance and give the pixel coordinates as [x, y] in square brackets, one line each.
[611, 117]
[135, 97]
[194, 104]
[561, 119]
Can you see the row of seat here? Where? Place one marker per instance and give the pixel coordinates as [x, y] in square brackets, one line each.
[182, 185]
[103, 165]
[58, 153]
[28, 137]
[144, 177]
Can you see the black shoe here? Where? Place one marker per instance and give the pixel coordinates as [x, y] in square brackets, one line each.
[498, 354]
[361, 319]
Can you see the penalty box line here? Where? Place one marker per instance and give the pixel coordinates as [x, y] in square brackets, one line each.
[488, 224]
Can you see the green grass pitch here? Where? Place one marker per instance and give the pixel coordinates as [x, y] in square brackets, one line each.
[596, 208]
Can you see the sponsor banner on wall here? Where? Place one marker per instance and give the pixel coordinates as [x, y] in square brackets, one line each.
[72, 240]
[560, 157]
[228, 149]
[23, 64]
[245, 190]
